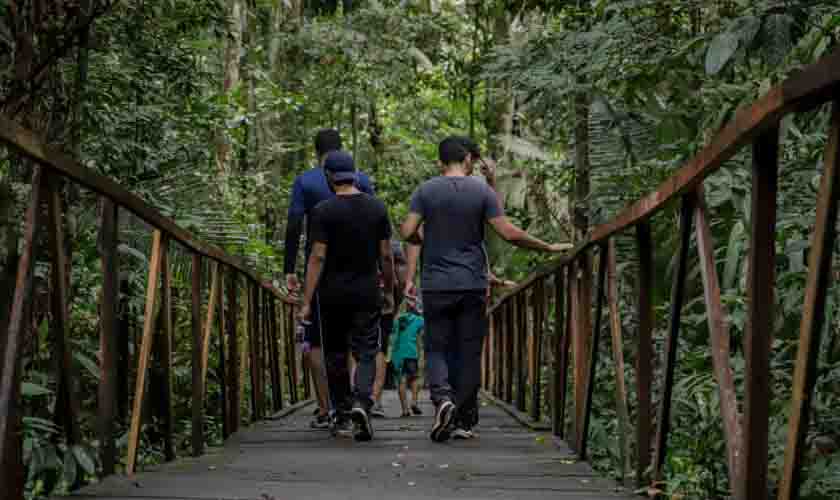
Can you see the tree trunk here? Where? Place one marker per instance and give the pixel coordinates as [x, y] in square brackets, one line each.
[232, 50]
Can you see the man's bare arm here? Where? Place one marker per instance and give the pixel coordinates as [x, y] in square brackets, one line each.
[313, 272]
[519, 237]
[387, 263]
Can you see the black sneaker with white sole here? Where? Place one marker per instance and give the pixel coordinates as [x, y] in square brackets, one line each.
[443, 420]
[362, 428]
[320, 422]
[462, 433]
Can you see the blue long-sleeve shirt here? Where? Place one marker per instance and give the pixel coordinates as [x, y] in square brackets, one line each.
[309, 189]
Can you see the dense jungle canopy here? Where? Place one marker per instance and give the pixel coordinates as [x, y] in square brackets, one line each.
[207, 110]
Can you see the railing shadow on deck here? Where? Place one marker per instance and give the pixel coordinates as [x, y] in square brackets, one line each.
[512, 356]
[267, 326]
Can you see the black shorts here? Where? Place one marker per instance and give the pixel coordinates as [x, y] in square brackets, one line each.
[312, 332]
[410, 368]
[386, 326]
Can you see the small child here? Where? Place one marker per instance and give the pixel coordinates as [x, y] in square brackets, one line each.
[404, 355]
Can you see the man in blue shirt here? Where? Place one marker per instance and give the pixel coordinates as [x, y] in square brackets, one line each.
[309, 189]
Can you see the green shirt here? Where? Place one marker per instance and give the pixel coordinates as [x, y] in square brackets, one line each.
[406, 329]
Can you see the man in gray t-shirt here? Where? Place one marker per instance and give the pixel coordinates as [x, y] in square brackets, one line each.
[453, 210]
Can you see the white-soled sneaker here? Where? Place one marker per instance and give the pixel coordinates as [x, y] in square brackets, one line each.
[441, 430]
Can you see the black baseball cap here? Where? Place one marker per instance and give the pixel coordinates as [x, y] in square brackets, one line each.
[340, 164]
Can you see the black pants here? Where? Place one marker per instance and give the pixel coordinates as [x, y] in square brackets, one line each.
[350, 329]
[456, 324]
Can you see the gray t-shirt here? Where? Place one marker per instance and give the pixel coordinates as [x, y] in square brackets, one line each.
[454, 211]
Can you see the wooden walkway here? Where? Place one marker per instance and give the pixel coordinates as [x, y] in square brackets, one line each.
[283, 459]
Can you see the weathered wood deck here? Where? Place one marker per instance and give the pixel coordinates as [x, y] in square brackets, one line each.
[284, 459]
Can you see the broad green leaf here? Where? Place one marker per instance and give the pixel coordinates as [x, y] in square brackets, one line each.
[84, 459]
[720, 51]
[70, 469]
[28, 389]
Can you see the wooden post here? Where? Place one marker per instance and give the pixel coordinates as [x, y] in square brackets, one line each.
[760, 316]
[234, 401]
[813, 318]
[213, 301]
[618, 363]
[11, 465]
[568, 333]
[536, 361]
[276, 376]
[558, 382]
[67, 404]
[719, 340]
[510, 334]
[166, 354]
[581, 343]
[109, 327]
[159, 245]
[198, 359]
[522, 338]
[253, 351]
[677, 299]
[644, 366]
[593, 349]
[293, 367]
[224, 392]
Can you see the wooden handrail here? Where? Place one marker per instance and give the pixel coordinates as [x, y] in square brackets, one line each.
[26, 142]
[745, 426]
[807, 89]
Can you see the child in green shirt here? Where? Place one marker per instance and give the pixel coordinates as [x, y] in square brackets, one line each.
[404, 356]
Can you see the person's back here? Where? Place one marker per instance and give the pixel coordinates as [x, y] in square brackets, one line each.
[455, 210]
[352, 226]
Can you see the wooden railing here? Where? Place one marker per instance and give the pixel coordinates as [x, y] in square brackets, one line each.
[268, 325]
[513, 357]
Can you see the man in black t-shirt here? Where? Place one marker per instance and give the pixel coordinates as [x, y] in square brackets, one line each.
[351, 237]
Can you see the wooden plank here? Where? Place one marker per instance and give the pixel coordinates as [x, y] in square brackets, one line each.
[291, 359]
[198, 369]
[760, 316]
[510, 343]
[166, 352]
[593, 353]
[159, 244]
[27, 143]
[67, 404]
[618, 363]
[214, 301]
[813, 317]
[582, 340]
[11, 470]
[234, 401]
[677, 300]
[251, 337]
[719, 339]
[559, 339]
[108, 333]
[644, 362]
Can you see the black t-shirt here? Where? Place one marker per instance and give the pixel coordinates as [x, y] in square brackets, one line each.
[352, 227]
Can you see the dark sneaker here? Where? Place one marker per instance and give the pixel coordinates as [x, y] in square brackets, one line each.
[362, 429]
[443, 420]
[462, 433]
[343, 427]
[316, 411]
[405, 414]
[377, 411]
[416, 409]
[320, 422]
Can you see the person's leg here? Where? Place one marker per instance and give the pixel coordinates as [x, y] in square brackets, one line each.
[440, 328]
[315, 363]
[364, 341]
[386, 325]
[410, 374]
[403, 397]
[335, 333]
[472, 327]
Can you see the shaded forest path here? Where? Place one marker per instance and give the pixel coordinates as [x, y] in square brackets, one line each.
[283, 458]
